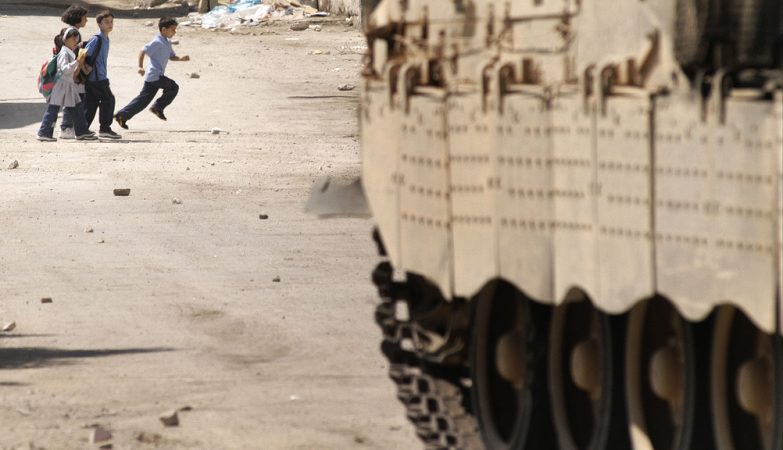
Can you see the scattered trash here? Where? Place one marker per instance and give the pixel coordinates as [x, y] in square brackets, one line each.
[46, 300]
[170, 419]
[195, 75]
[263, 216]
[315, 27]
[14, 164]
[88, 230]
[276, 280]
[100, 435]
[122, 192]
[346, 87]
[176, 201]
[250, 13]
[10, 326]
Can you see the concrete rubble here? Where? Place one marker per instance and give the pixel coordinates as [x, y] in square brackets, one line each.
[250, 13]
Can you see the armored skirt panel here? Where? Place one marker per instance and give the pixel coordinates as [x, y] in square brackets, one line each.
[622, 200]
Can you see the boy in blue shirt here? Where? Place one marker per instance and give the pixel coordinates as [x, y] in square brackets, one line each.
[98, 91]
[160, 52]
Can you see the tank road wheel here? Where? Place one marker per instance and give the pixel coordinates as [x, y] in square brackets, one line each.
[508, 370]
[746, 384]
[665, 379]
[585, 369]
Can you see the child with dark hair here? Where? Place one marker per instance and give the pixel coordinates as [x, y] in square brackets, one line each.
[64, 94]
[160, 53]
[99, 94]
[76, 17]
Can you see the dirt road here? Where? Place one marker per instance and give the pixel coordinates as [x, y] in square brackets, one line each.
[158, 305]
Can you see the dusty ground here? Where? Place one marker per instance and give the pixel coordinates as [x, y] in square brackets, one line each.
[169, 305]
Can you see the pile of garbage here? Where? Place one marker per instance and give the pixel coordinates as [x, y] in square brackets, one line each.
[248, 13]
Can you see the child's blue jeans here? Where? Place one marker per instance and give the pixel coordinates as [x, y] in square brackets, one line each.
[50, 117]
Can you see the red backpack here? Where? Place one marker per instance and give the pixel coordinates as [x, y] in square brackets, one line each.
[48, 76]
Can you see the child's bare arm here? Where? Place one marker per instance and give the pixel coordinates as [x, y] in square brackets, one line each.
[141, 63]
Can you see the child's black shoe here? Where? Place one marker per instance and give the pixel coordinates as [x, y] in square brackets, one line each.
[158, 113]
[120, 121]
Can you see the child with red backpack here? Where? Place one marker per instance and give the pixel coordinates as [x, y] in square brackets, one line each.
[65, 92]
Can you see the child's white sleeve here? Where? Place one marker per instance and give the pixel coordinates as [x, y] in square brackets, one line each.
[65, 65]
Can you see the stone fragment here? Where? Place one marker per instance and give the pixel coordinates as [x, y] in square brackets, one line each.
[176, 201]
[299, 26]
[14, 164]
[46, 300]
[10, 326]
[276, 280]
[88, 230]
[186, 408]
[263, 216]
[170, 419]
[195, 75]
[122, 192]
[346, 87]
[99, 435]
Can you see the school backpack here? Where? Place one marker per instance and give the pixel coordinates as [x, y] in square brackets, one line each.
[48, 76]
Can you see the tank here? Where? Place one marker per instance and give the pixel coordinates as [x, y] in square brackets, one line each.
[578, 214]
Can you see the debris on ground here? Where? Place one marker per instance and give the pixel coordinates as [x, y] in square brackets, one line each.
[46, 300]
[186, 408]
[14, 164]
[276, 280]
[263, 216]
[251, 13]
[88, 230]
[195, 75]
[10, 326]
[346, 87]
[149, 438]
[216, 131]
[299, 26]
[122, 192]
[170, 419]
[176, 201]
[100, 436]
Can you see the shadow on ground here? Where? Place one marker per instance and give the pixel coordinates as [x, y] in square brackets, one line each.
[38, 357]
[18, 115]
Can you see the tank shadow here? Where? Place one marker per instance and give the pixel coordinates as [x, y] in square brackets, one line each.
[38, 357]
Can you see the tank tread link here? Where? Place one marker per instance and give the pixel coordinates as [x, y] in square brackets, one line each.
[579, 210]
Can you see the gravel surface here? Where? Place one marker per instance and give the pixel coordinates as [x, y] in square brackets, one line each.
[259, 332]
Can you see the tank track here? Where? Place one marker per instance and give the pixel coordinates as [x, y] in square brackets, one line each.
[436, 402]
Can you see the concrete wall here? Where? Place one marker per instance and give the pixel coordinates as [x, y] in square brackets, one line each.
[342, 7]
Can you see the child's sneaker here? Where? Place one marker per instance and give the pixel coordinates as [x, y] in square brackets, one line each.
[158, 113]
[67, 133]
[121, 121]
[109, 134]
[46, 138]
[87, 137]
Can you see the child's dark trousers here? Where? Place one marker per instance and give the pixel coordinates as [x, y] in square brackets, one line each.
[170, 89]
